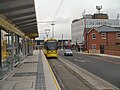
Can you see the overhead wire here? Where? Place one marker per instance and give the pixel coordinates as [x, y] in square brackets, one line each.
[56, 12]
[58, 9]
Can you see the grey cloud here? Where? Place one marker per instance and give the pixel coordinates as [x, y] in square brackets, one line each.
[62, 20]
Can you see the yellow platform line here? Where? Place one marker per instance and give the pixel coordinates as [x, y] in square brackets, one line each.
[55, 81]
[53, 76]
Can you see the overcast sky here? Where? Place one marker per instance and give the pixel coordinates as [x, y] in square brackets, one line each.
[70, 9]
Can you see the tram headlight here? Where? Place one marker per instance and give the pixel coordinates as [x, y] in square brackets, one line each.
[49, 52]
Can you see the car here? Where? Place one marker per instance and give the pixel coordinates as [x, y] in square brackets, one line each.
[68, 52]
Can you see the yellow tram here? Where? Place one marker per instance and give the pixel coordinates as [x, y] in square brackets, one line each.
[51, 48]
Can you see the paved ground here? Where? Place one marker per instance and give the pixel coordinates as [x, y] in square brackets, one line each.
[23, 77]
[32, 74]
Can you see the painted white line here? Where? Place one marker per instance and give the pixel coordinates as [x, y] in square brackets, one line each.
[80, 60]
[92, 80]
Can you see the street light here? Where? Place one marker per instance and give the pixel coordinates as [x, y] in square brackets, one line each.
[47, 32]
[52, 24]
[52, 29]
[62, 41]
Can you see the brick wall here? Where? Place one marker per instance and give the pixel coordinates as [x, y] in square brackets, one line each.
[91, 41]
[112, 49]
[109, 42]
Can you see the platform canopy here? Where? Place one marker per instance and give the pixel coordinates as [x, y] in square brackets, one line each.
[21, 14]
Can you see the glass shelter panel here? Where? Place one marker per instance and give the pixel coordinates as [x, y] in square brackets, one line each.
[5, 53]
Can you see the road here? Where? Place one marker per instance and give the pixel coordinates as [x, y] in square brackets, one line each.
[104, 67]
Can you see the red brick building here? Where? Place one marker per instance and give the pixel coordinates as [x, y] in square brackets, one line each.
[97, 39]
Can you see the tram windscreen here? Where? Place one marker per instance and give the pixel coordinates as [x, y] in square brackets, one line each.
[51, 45]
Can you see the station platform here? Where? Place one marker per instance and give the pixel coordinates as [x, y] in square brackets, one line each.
[34, 73]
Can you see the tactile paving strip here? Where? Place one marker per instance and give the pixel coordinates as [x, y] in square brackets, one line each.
[23, 74]
[40, 79]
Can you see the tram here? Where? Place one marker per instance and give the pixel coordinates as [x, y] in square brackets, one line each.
[51, 48]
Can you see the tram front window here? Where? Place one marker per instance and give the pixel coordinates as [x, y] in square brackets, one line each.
[52, 45]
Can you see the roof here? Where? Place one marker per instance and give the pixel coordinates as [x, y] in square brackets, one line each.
[100, 16]
[105, 28]
[21, 13]
[87, 30]
[117, 27]
[75, 20]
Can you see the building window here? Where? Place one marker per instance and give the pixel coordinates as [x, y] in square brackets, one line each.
[93, 46]
[118, 35]
[93, 36]
[103, 35]
[117, 43]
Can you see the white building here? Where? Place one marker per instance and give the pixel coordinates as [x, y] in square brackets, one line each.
[79, 25]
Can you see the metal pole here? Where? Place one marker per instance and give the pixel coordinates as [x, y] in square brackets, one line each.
[23, 46]
[12, 43]
[26, 47]
[47, 32]
[52, 29]
[16, 44]
[30, 47]
[62, 41]
[1, 51]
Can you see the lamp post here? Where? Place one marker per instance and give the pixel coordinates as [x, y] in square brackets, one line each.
[52, 29]
[47, 32]
[76, 43]
[62, 41]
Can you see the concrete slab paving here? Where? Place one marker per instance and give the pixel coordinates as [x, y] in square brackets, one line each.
[50, 80]
[25, 75]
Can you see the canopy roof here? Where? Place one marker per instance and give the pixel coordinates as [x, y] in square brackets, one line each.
[21, 14]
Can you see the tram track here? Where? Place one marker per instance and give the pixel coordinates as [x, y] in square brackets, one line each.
[67, 78]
